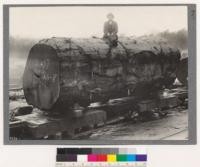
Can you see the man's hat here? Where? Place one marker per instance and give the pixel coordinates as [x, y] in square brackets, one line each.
[110, 15]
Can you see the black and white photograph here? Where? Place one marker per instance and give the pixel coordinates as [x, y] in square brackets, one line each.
[100, 73]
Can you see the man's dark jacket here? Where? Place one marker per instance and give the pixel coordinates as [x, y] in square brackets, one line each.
[110, 27]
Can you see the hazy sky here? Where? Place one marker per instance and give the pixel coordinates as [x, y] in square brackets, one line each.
[41, 22]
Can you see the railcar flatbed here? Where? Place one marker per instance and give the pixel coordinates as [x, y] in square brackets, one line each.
[37, 125]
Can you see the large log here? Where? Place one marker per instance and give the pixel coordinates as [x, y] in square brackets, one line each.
[61, 71]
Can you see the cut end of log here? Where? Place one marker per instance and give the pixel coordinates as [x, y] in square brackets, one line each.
[41, 77]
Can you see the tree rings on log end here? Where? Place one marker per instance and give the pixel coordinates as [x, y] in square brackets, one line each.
[41, 77]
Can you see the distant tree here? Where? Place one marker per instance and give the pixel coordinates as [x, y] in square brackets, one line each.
[178, 38]
[21, 46]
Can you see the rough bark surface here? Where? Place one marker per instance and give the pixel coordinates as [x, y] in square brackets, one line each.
[62, 71]
[182, 69]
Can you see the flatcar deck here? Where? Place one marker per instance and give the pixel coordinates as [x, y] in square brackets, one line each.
[38, 125]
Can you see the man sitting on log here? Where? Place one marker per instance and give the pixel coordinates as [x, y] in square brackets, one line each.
[110, 31]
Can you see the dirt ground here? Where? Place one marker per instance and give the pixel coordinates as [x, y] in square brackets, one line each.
[173, 127]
